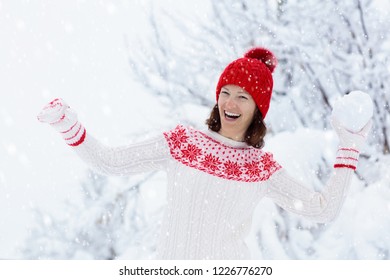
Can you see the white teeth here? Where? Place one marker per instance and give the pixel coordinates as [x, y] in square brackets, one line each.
[232, 114]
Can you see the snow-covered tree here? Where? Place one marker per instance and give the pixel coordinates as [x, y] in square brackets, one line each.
[325, 50]
[108, 222]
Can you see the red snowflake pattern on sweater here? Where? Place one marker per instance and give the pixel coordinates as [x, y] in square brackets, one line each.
[252, 168]
[195, 149]
[178, 136]
[268, 161]
[211, 162]
[232, 169]
[191, 153]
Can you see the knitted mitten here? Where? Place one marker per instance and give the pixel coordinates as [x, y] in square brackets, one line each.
[62, 118]
[350, 144]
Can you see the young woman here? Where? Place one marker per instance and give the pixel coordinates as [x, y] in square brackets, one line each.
[217, 177]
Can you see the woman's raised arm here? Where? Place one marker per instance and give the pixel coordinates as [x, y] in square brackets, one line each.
[322, 206]
[124, 160]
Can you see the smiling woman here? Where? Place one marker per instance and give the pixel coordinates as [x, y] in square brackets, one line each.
[243, 96]
[245, 125]
[217, 177]
[237, 109]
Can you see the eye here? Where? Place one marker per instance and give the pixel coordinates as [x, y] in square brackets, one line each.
[225, 92]
[243, 97]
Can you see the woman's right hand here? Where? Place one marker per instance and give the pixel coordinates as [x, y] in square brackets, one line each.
[53, 112]
[59, 115]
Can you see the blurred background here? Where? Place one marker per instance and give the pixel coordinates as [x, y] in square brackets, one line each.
[133, 69]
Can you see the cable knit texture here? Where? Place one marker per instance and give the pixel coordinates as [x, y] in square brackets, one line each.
[214, 185]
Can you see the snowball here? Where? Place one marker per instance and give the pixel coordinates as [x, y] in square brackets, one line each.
[354, 110]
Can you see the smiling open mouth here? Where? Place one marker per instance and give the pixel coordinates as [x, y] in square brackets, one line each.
[231, 116]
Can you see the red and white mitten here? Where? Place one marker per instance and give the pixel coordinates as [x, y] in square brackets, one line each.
[352, 120]
[62, 118]
[350, 144]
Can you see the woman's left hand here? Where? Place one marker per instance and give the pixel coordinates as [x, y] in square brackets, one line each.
[349, 139]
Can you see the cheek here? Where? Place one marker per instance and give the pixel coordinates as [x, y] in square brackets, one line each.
[250, 113]
[253, 108]
[219, 107]
[250, 109]
[221, 102]
[221, 99]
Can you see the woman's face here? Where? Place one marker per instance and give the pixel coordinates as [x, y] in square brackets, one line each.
[236, 108]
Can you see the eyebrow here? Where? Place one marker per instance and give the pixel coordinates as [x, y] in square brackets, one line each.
[241, 91]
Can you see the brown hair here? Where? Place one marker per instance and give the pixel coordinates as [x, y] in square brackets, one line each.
[254, 135]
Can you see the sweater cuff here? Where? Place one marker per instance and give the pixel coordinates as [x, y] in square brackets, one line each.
[346, 158]
[75, 135]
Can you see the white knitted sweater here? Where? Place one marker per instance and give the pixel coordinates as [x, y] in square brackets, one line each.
[214, 185]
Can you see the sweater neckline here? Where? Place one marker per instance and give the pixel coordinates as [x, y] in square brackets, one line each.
[225, 141]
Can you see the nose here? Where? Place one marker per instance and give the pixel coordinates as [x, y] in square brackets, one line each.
[229, 102]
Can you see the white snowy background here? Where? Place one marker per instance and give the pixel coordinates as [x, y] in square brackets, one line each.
[132, 69]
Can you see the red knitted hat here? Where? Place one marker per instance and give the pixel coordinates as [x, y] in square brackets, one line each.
[253, 73]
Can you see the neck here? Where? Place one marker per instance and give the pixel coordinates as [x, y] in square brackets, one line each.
[239, 137]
